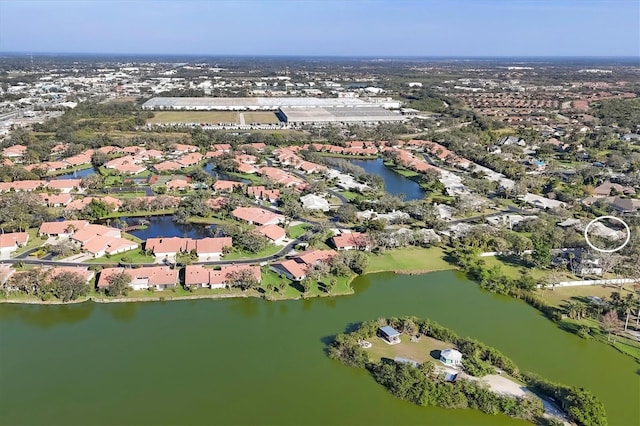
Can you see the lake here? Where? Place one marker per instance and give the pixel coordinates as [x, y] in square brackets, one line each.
[249, 361]
[164, 226]
[394, 183]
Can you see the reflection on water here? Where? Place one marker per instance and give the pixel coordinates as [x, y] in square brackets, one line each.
[47, 316]
[394, 183]
[164, 226]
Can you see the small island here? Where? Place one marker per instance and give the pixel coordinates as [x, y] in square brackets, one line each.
[425, 363]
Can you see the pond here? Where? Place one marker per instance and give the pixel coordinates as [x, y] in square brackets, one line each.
[394, 183]
[209, 168]
[78, 174]
[164, 226]
[249, 361]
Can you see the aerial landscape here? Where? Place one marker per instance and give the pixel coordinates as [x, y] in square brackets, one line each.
[310, 213]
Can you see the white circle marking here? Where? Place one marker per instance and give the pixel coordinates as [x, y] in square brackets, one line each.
[586, 236]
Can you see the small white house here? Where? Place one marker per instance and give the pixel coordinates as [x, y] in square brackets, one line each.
[451, 357]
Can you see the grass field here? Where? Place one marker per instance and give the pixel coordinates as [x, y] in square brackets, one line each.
[561, 295]
[194, 117]
[132, 256]
[417, 351]
[260, 117]
[409, 259]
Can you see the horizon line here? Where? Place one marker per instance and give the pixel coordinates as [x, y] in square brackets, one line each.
[265, 55]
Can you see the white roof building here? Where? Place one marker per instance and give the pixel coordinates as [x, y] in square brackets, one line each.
[451, 357]
[314, 202]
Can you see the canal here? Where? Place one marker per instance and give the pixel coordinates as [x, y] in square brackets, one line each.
[78, 174]
[394, 183]
[249, 361]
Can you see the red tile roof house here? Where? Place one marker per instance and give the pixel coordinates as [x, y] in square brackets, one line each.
[14, 152]
[226, 185]
[167, 166]
[83, 202]
[100, 245]
[155, 277]
[200, 277]
[82, 271]
[166, 249]
[296, 268]
[351, 241]
[258, 216]
[261, 193]
[65, 185]
[11, 242]
[63, 229]
[246, 168]
[100, 240]
[56, 200]
[178, 184]
[183, 149]
[274, 233]
[190, 159]
[22, 185]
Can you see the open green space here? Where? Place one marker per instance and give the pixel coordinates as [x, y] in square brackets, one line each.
[241, 254]
[349, 195]
[133, 256]
[512, 266]
[410, 259]
[297, 230]
[561, 295]
[194, 117]
[420, 351]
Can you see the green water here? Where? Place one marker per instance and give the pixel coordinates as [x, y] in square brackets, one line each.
[255, 362]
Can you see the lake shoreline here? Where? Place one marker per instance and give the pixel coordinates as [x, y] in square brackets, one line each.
[167, 296]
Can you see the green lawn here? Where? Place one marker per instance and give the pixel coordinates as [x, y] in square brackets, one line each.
[297, 230]
[561, 295]
[133, 256]
[254, 179]
[409, 259]
[211, 220]
[349, 195]
[33, 242]
[512, 265]
[268, 251]
[416, 351]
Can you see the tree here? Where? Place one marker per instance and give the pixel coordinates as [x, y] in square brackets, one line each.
[610, 323]
[119, 284]
[63, 248]
[541, 251]
[69, 286]
[347, 213]
[99, 158]
[244, 279]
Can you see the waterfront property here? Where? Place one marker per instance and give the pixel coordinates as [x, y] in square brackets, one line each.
[451, 357]
[389, 335]
[166, 249]
[197, 276]
[150, 277]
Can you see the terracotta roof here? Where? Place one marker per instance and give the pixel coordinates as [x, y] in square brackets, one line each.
[295, 269]
[64, 183]
[55, 228]
[14, 238]
[313, 256]
[273, 232]
[256, 215]
[351, 239]
[226, 185]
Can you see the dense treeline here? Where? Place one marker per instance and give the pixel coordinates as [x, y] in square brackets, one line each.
[623, 112]
[423, 386]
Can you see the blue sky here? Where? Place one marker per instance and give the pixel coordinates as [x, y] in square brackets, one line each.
[324, 27]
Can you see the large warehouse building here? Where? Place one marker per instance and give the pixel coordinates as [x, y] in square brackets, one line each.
[290, 110]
